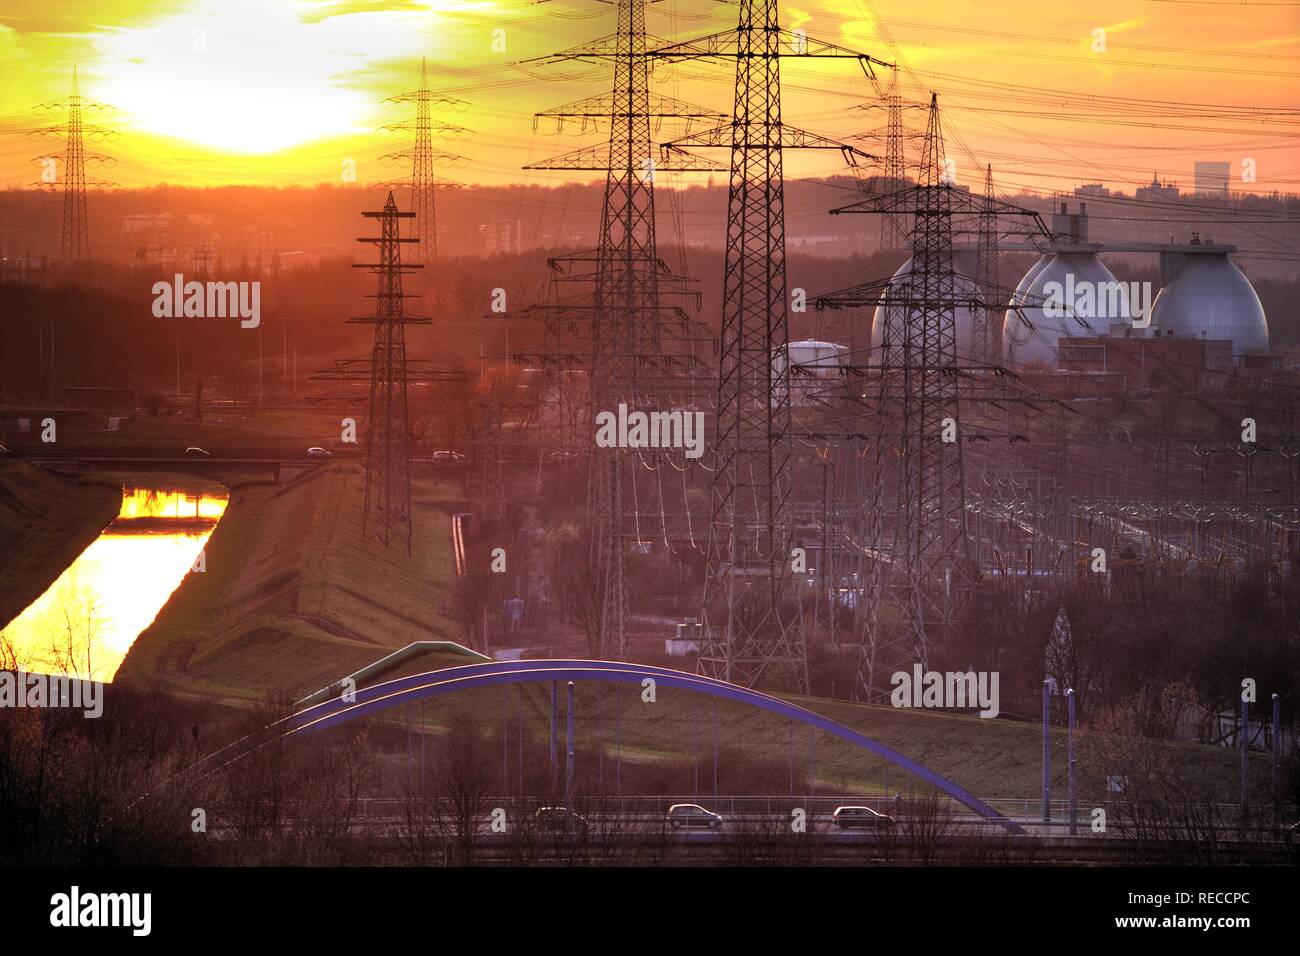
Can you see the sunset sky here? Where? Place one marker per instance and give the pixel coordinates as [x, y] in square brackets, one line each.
[207, 92]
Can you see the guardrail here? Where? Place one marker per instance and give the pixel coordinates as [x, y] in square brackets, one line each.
[387, 663]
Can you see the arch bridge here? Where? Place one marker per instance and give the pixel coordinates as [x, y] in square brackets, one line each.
[370, 700]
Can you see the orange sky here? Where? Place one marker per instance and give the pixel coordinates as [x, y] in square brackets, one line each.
[282, 92]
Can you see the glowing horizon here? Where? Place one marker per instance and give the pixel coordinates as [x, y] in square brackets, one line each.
[279, 92]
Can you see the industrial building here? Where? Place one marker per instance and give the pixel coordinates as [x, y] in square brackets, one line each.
[1203, 296]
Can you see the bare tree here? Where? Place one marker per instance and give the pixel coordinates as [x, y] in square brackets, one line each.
[1164, 793]
[333, 779]
[465, 766]
[75, 635]
[11, 659]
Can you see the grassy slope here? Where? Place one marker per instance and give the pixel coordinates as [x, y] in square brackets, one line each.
[991, 758]
[293, 598]
[46, 520]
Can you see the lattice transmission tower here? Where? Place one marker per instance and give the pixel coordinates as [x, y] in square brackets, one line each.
[893, 227]
[75, 242]
[386, 515]
[752, 627]
[918, 541]
[988, 319]
[423, 185]
[895, 136]
[625, 325]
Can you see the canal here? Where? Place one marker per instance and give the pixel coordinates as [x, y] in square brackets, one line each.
[87, 620]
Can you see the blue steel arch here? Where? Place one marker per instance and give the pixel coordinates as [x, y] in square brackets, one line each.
[403, 690]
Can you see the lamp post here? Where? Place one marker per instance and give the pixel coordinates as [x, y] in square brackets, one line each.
[1049, 686]
[1074, 806]
[568, 762]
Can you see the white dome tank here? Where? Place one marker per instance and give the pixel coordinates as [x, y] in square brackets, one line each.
[1036, 343]
[965, 265]
[1210, 298]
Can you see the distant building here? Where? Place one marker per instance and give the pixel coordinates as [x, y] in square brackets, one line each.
[1157, 190]
[500, 236]
[1212, 178]
[146, 234]
[204, 257]
[1145, 362]
[258, 239]
[812, 243]
[1071, 226]
[1091, 189]
[686, 639]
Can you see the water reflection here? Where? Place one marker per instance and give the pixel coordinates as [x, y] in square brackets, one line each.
[87, 620]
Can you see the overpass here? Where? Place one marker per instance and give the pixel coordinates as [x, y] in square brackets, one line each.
[279, 464]
[282, 463]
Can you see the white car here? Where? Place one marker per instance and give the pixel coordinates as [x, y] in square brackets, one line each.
[447, 456]
[316, 452]
[692, 815]
[860, 817]
[195, 451]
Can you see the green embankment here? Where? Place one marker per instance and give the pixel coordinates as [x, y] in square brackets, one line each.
[761, 752]
[46, 520]
[293, 598]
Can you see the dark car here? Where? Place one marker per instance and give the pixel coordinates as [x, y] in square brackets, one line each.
[560, 820]
[863, 817]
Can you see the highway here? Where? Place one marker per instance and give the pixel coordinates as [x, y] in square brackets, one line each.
[638, 837]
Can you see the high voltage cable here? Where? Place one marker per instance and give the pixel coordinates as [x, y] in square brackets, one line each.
[967, 31]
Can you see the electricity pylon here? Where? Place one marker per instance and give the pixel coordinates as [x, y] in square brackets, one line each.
[75, 244]
[988, 319]
[386, 515]
[629, 331]
[918, 548]
[423, 157]
[752, 628]
[894, 235]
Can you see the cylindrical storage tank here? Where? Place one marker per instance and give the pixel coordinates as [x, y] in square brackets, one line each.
[965, 263]
[820, 361]
[1033, 339]
[1210, 298]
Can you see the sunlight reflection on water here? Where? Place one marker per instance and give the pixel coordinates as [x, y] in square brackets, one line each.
[88, 619]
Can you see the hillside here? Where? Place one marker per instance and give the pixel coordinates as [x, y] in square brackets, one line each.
[46, 520]
[293, 598]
